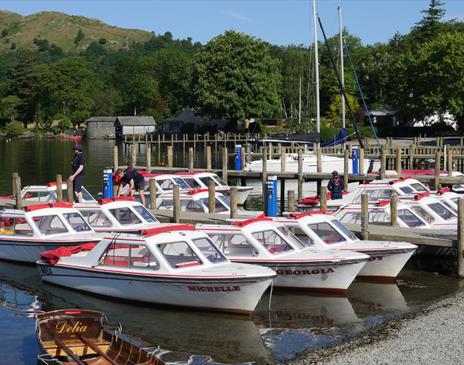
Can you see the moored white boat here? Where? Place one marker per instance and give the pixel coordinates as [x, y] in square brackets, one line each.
[167, 265]
[325, 232]
[260, 241]
[24, 234]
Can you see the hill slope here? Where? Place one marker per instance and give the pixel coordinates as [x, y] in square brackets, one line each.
[62, 29]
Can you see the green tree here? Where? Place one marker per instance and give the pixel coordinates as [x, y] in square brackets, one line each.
[430, 25]
[79, 36]
[70, 89]
[9, 107]
[335, 111]
[236, 77]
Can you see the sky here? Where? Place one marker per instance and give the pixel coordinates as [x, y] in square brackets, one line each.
[279, 22]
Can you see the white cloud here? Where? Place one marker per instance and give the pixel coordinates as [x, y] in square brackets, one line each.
[236, 16]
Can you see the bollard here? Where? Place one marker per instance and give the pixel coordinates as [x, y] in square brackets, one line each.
[291, 200]
[115, 157]
[238, 157]
[152, 194]
[170, 157]
[364, 216]
[17, 185]
[190, 159]
[148, 158]
[394, 209]
[271, 185]
[345, 170]
[225, 160]
[108, 183]
[211, 196]
[208, 157]
[59, 188]
[176, 203]
[233, 202]
[323, 198]
[460, 247]
[70, 190]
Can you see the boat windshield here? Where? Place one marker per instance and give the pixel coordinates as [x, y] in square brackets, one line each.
[233, 244]
[77, 222]
[272, 241]
[96, 218]
[181, 182]
[442, 211]
[179, 254]
[209, 250]
[341, 227]
[145, 214]
[294, 240]
[419, 187]
[326, 232]
[421, 212]
[407, 190]
[50, 224]
[221, 204]
[125, 216]
[374, 195]
[206, 179]
[129, 255]
[409, 218]
[219, 180]
[450, 207]
[192, 183]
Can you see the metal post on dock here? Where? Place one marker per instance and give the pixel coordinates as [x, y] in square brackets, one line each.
[134, 155]
[437, 169]
[225, 159]
[394, 209]
[70, 190]
[291, 200]
[211, 197]
[59, 188]
[170, 157]
[208, 157]
[323, 198]
[115, 157]
[460, 248]
[383, 162]
[152, 193]
[364, 216]
[300, 174]
[190, 159]
[176, 204]
[233, 202]
[361, 161]
[345, 170]
[148, 158]
[17, 189]
[398, 161]
[450, 161]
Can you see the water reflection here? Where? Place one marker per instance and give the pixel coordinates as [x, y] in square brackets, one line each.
[296, 321]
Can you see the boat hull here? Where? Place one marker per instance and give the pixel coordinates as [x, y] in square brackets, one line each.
[239, 295]
[29, 251]
[333, 277]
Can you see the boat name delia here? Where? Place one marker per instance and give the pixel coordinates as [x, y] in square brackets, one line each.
[65, 327]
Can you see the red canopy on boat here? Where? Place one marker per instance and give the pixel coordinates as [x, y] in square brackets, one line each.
[52, 256]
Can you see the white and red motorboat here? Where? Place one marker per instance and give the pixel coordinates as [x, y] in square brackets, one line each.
[26, 233]
[325, 232]
[167, 265]
[434, 211]
[261, 241]
[122, 214]
[200, 180]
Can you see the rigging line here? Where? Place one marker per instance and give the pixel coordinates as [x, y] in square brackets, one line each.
[342, 88]
[361, 92]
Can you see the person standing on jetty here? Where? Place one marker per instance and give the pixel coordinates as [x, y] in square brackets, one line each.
[135, 180]
[336, 185]
[78, 169]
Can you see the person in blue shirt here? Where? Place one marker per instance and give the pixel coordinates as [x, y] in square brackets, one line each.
[78, 171]
[336, 186]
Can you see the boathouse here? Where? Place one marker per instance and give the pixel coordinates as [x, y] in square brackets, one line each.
[134, 125]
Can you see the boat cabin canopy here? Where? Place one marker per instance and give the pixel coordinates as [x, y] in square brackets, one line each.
[165, 182]
[198, 180]
[197, 201]
[47, 193]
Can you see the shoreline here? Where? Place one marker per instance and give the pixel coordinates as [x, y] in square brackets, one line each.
[431, 334]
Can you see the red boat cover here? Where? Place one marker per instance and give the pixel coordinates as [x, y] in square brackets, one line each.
[259, 218]
[52, 256]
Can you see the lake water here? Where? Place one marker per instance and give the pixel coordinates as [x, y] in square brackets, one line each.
[276, 332]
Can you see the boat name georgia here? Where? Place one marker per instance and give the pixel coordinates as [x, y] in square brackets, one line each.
[305, 272]
[214, 288]
[65, 327]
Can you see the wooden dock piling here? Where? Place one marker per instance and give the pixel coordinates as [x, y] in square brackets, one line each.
[300, 174]
[364, 216]
[176, 204]
[170, 156]
[437, 169]
[225, 160]
[323, 198]
[460, 243]
[233, 202]
[394, 209]
[148, 157]
[361, 161]
[208, 157]
[398, 160]
[17, 184]
[211, 196]
[59, 188]
[152, 187]
[115, 157]
[70, 190]
[346, 160]
[450, 161]
[291, 200]
[190, 159]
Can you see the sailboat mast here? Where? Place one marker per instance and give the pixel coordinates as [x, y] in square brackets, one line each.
[316, 64]
[342, 67]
